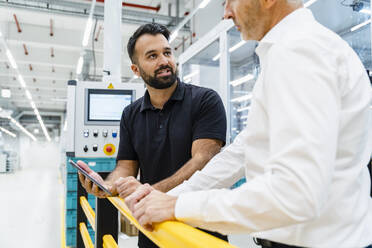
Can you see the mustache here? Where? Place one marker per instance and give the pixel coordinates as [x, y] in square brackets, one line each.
[163, 68]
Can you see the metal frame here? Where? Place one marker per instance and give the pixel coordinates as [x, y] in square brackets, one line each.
[219, 32]
[81, 9]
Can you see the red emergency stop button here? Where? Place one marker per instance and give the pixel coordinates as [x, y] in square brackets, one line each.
[109, 149]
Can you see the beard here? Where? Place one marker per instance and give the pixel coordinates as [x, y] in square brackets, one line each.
[159, 82]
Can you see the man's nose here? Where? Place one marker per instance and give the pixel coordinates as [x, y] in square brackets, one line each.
[228, 13]
[163, 60]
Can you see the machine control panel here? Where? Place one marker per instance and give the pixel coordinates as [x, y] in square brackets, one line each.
[97, 112]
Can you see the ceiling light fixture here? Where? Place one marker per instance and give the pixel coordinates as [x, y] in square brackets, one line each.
[22, 128]
[5, 93]
[309, 3]
[356, 27]
[8, 132]
[88, 26]
[11, 59]
[204, 4]
[79, 67]
[243, 109]
[242, 98]
[244, 79]
[21, 81]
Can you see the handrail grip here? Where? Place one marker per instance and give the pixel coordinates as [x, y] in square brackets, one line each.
[85, 235]
[89, 212]
[109, 242]
[172, 233]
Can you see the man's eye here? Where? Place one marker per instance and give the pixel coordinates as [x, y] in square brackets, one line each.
[167, 53]
[152, 56]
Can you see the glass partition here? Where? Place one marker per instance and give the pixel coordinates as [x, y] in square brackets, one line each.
[244, 70]
[204, 69]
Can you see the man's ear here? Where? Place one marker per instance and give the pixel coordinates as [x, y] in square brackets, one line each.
[135, 70]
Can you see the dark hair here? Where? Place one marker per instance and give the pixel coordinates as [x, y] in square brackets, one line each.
[150, 28]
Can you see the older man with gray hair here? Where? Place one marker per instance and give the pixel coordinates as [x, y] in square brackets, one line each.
[305, 152]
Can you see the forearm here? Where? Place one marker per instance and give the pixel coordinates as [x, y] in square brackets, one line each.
[196, 163]
[124, 168]
[181, 175]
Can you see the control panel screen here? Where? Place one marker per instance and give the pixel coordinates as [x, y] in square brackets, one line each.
[107, 105]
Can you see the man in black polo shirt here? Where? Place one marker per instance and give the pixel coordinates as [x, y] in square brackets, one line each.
[169, 133]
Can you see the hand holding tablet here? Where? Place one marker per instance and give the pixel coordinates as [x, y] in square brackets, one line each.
[92, 176]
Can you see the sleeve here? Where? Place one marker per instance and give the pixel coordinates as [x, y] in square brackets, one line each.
[210, 121]
[126, 150]
[222, 171]
[302, 105]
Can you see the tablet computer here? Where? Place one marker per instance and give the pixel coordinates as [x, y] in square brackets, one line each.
[90, 177]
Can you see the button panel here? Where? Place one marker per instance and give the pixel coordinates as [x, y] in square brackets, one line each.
[98, 141]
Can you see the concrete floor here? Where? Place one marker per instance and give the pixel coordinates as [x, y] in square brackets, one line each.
[30, 208]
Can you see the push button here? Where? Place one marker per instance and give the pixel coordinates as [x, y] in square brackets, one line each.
[104, 133]
[95, 133]
[85, 148]
[86, 133]
[95, 148]
[109, 149]
[114, 134]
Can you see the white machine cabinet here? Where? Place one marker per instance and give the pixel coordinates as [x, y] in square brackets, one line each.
[93, 113]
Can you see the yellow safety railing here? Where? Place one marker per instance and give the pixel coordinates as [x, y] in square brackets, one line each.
[171, 234]
[89, 212]
[168, 234]
[109, 242]
[85, 235]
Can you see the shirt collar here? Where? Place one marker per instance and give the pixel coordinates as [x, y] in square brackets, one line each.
[177, 95]
[279, 31]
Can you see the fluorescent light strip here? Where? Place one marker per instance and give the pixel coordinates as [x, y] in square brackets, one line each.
[79, 67]
[1, 34]
[22, 129]
[65, 126]
[216, 57]
[28, 94]
[88, 26]
[360, 25]
[173, 35]
[8, 132]
[21, 81]
[232, 49]
[204, 4]
[11, 59]
[242, 98]
[309, 3]
[242, 80]
[241, 43]
[243, 109]
[189, 76]
[365, 11]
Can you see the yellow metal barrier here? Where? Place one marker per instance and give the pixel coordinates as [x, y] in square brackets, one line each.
[109, 242]
[173, 234]
[89, 212]
[85, 235]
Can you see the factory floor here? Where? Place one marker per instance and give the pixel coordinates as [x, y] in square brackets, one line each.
[31, 208]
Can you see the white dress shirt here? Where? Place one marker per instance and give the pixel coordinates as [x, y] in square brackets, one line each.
[304, 151]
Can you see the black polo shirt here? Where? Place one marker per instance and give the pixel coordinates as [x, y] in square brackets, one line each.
[161, 139]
